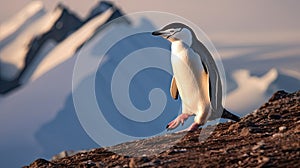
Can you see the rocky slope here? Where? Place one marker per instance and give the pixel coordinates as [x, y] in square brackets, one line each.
[268, 137]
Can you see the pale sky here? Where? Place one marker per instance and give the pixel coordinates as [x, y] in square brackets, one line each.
[211, 16]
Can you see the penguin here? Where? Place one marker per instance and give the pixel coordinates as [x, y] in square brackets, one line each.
[195, 78]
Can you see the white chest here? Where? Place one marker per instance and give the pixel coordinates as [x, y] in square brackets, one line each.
[187, 69]
[184, 60]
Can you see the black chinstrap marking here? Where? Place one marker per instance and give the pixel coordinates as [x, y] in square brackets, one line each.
[174, 33]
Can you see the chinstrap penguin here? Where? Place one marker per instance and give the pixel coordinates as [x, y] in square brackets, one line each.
[195, 78]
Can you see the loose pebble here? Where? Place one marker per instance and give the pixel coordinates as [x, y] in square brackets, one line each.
[282, 128]
[276, 135]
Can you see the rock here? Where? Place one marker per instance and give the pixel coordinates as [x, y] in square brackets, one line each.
[150, 164]
[88, 163]
[282, 128]
[245, 132]
[274, 116]
[245, 155]
[180, 150]
[263, 159]
[60, 155]
[173, 151]
[258, 145]
[145, 159]
[67, 153]
[233, 127]
[132, 163]
[277, 135]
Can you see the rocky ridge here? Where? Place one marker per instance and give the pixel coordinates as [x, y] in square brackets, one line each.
[268, 137]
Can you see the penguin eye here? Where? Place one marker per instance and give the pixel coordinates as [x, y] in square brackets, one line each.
[172, 31]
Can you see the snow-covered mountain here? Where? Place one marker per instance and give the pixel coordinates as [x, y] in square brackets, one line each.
[38, 44]
[39, 118]
[51, 81]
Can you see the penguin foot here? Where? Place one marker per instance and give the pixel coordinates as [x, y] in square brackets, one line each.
[193, 127]
[180, 119]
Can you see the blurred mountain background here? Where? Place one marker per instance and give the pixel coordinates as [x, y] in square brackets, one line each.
[259, 44]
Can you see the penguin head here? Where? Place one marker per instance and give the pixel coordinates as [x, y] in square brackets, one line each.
[176, 31]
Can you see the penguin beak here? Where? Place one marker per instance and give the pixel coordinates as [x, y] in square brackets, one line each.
[157, 33]
[163, 34]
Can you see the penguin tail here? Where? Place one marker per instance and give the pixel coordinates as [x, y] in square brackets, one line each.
[228, 115]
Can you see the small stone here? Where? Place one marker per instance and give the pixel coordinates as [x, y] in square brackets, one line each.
[90, 163]
[233, 127]
[223, 150]
[132, 163]
[258, 145]
[274, 116]
[180, 150]
[245, 155]
[286, 147]
[145, 159]
[282, 128]
[60, 155]
[245, 132]
[277, 135]
[263, 159]
[149, 164]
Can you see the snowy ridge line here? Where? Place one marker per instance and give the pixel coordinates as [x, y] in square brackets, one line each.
[69, 46]
[9, 26]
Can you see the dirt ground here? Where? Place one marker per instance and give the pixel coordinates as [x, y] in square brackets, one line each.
[268, 137]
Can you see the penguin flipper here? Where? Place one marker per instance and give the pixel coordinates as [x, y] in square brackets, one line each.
[173, 89]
